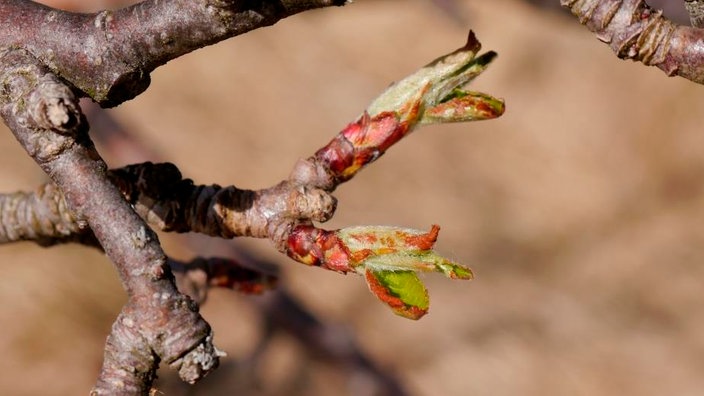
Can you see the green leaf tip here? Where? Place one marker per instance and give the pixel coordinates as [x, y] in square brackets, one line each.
[402, 291]
[389, 258]
[436, 90]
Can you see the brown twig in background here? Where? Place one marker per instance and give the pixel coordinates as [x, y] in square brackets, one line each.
[331, 343]
[197, 276]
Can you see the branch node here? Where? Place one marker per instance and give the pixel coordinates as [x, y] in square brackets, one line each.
[199, 361]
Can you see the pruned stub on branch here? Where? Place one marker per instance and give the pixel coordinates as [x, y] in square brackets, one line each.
[57, 57]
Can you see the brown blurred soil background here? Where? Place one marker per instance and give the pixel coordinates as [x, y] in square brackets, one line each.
[580, 211]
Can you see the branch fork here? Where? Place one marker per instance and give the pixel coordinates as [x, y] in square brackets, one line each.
[43, 72]
[158, 323]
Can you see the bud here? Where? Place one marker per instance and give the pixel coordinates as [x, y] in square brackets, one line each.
[431, 95]
[437, 87]
[388, 258]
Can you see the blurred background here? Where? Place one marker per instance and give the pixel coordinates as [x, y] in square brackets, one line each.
[580, 211]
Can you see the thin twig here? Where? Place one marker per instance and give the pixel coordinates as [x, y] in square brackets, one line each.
[160, 324]
[196, 277]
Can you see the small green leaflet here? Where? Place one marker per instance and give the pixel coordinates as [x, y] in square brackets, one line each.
[400, 290]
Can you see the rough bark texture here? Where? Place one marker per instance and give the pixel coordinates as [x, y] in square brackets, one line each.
[172, 203]
[109, 55]
[695, 8]
[41, 216]
[635, 31]
[158, 323]
[168, 202]
[48, 58]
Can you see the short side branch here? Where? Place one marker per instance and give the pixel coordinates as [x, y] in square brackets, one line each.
[41, 216]
[433, 94]
[196, 277]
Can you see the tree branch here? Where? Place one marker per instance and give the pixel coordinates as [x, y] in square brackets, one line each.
[41, 216]
[157, 323]
[284, 213]
[635, 31]
[196, 277]
[431, 95]
[108, 55]
[280, 310]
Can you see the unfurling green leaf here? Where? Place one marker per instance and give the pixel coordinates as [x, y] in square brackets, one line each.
[430, 95]
[389, 258]
[400, 290]
[434, 93]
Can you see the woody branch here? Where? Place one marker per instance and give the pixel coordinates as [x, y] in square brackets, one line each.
[285, 212]
[108, 55]
[157, 323]
[635, 31]
[48, 57]
[169, 202]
